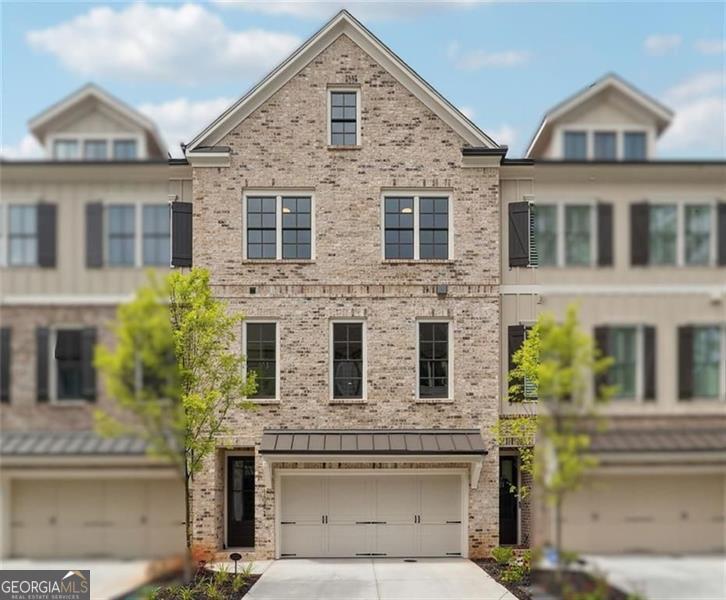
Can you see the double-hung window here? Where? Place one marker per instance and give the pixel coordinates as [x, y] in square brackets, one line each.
[22, 235]
[261, 357]
[622, 347]
[707, 361]
[124, 149]
[433, 359]
[605, 145]
[69, 364]
[95, 150]
[575, 145]
[121, 236]
[578, 235]
[634, 145]
[156, 240]
[348, 364]
[697, 234]
[344, 118]
[416, 227]
[279, 227]
[663, 232]
[545, 223]
[65, 149]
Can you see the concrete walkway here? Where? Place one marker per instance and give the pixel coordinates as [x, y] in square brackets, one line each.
[376, 579]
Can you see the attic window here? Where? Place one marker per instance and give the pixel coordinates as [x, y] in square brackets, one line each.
[124, 149]
[344, 117]
[65, 149]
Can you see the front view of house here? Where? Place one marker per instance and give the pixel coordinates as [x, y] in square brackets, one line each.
[352, 215]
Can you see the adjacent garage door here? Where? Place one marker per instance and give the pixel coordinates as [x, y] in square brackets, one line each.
[117, 518]
[659, 514]
[364, 515]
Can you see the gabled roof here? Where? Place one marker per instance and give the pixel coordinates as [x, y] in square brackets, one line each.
[662, 114]
[40, 123]
[341, 24]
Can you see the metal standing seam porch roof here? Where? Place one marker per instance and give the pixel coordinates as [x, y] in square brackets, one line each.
[440, 442]
[68, 443]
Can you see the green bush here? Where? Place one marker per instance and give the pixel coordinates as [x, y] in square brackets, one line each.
[518, 568]
[502, 555]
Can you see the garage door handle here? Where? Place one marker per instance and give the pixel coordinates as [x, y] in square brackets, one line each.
[378, 522]
[363, 522]
[453, 522]
[288, 522]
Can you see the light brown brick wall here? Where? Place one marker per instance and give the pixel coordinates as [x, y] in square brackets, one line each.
[404, 146]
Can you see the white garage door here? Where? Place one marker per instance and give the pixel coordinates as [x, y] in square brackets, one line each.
[117, 518]
[647, 513]
[364, 515]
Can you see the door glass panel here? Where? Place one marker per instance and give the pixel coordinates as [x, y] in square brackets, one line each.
[240, 501]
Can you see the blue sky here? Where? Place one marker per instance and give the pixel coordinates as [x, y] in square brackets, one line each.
[503, 63]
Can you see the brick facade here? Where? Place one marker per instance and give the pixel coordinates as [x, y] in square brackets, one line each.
[405, 147]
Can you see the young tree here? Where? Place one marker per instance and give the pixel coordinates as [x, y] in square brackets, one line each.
[172, 368]
[563, 365]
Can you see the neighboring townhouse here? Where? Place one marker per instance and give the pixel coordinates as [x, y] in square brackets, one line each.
[640, 244]
[352, 214]
[78, 229]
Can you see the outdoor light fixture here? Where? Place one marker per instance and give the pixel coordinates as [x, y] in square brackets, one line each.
[235, 556]
[407, 210]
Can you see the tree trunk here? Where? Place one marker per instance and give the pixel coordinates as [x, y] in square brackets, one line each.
[188, 567]
[558, 539]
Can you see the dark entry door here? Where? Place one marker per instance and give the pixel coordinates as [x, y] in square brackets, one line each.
[240, 501]
[508, 504]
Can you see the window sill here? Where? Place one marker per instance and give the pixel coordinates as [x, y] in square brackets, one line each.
[278, 261]
[420, 261]
[348, 401]
[264, 401]
[434, 400]
[72, 402]
[343, 148]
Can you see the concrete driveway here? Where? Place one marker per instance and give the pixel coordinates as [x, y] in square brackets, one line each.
[376, 579]
[109, 578]
[666, 577]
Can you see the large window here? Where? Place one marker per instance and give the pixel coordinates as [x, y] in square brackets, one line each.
[69, 364]
[663, 231]
[578, 226]
[296, 228]
[121, 240]
[261, 356]
[95, 150]
[156, 234]
[545, 223]
[343, 118]
[605, 146]
[698, 234]
[622, 373]
[23, 236]
[65, 149]
[575, 143]
[124, 149]
[433, 363]
[261, 227]
[407, 237]
[348, 360]
[706, 361]
[634, 145]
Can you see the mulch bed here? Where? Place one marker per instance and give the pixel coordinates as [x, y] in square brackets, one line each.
[577, 582]
[200, 585]
[494, 569]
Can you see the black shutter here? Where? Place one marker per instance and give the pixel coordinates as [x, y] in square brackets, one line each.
[639, 233]
[4, 364]
[181, 234]
[46, 235]
[519, 234]
[88, 375]
[41, 362]
[94, 235]
[722, 233]
[604, 234]
[685, 362]
[515, 339]
[649, 363]
[602, 337]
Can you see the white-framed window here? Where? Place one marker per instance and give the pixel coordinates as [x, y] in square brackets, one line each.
[417, 226]
[66, 149]
[278, 226]
[605, 145]
[574, 145]
[95, 149]
[344, 116]
[579, 234]
[434, 359]
[121, 235]
[125, 149]
[66, 363]
[566, 234]
[22, 235]
[348, 360]
[261, 344]
[592, 142]
[156, 226]
[699, 235]
[709, 361]
[624, 373]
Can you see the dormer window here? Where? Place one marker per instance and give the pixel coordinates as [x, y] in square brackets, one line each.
[605, 147]
[634, 145]
[344, 117]
[95, 150]
[124, 149]
[65, 149]
[575, 145]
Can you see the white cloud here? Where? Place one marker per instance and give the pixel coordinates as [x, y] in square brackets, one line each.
[365, 10]
[181, 119]
[473, 60]
[180, 44]
[468, 112]
[504, 135]
[699, 124]
[27, 149]
[661, 44]
[711, 46]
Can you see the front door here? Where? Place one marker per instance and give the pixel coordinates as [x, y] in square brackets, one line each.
[240, 501]
[508, 501]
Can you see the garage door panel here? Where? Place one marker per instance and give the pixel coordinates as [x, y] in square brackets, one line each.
[349, 539]
[302, 499]
[349, 499]
[438, 539]
[440, 498]
[397, 499]
[396, 540]
[302, 540]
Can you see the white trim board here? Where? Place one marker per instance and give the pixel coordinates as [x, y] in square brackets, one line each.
[584, 289]
[342, 24]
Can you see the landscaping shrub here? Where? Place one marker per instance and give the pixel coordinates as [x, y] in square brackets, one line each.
[502, 554]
